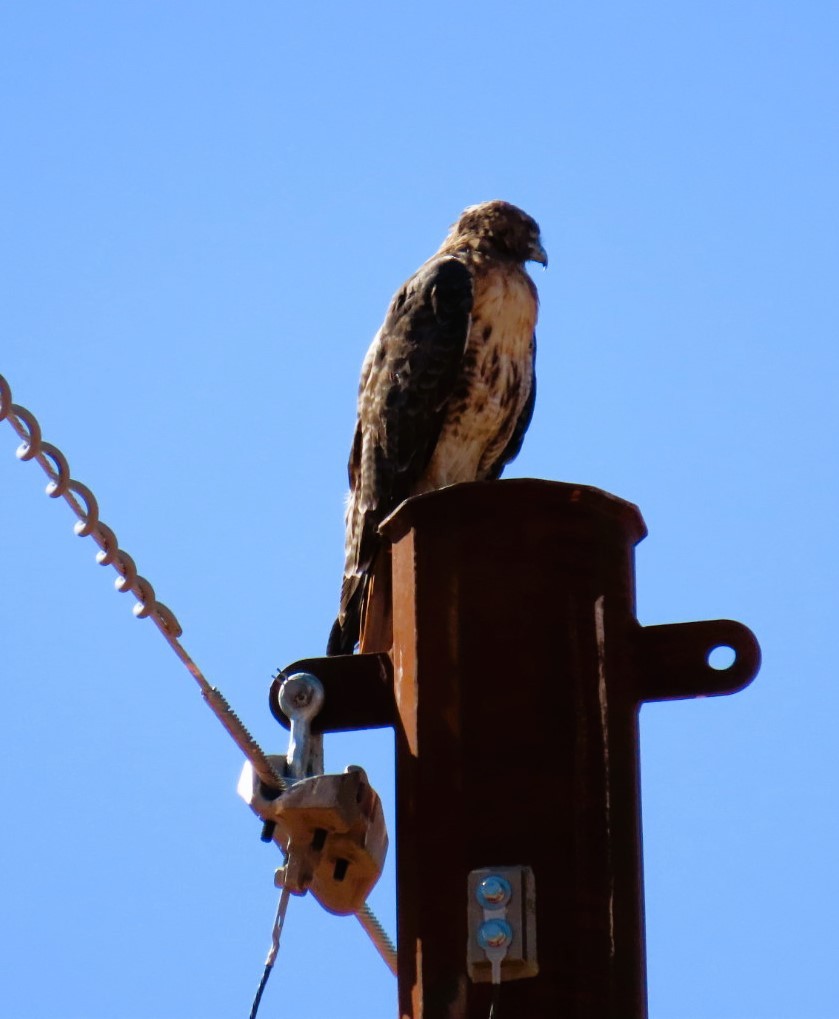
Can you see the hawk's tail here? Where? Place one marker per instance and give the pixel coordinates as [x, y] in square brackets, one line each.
[337, 640]
[346, 629]
[366, 615]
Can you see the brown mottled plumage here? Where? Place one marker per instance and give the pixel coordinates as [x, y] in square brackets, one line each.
[446, 394]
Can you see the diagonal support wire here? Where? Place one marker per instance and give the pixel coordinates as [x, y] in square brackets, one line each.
[378, 935]
[83, 503]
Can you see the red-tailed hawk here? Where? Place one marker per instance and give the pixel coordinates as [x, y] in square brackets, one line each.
[446, 394]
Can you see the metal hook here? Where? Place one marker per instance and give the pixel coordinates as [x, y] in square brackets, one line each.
[301, 697]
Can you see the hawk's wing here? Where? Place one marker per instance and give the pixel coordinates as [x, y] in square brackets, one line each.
[407, 379]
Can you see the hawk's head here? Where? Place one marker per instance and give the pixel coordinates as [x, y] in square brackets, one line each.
[500, 230]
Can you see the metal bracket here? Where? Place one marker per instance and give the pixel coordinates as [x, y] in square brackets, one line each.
[331, 827]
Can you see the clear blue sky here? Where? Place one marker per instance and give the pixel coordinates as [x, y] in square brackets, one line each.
[206, 208]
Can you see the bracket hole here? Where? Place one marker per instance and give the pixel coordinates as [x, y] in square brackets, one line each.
[721, 657]
[341, 867]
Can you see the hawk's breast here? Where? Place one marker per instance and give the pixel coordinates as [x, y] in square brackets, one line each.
[494, 383]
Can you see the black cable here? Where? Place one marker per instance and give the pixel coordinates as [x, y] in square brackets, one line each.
[493, 1007]
[266, 973]
[279, 920]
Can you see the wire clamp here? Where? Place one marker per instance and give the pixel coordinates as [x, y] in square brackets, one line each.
[331, 828]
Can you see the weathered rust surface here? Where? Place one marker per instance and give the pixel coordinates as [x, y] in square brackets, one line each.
[518, 668]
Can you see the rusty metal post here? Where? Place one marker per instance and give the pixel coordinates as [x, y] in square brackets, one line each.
[519, 668]
[517, 671]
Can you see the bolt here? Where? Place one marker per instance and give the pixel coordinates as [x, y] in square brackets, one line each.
[301, 695]
[494, 934]
[494, 891]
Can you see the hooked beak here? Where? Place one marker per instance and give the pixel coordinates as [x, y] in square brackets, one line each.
[538, 254]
